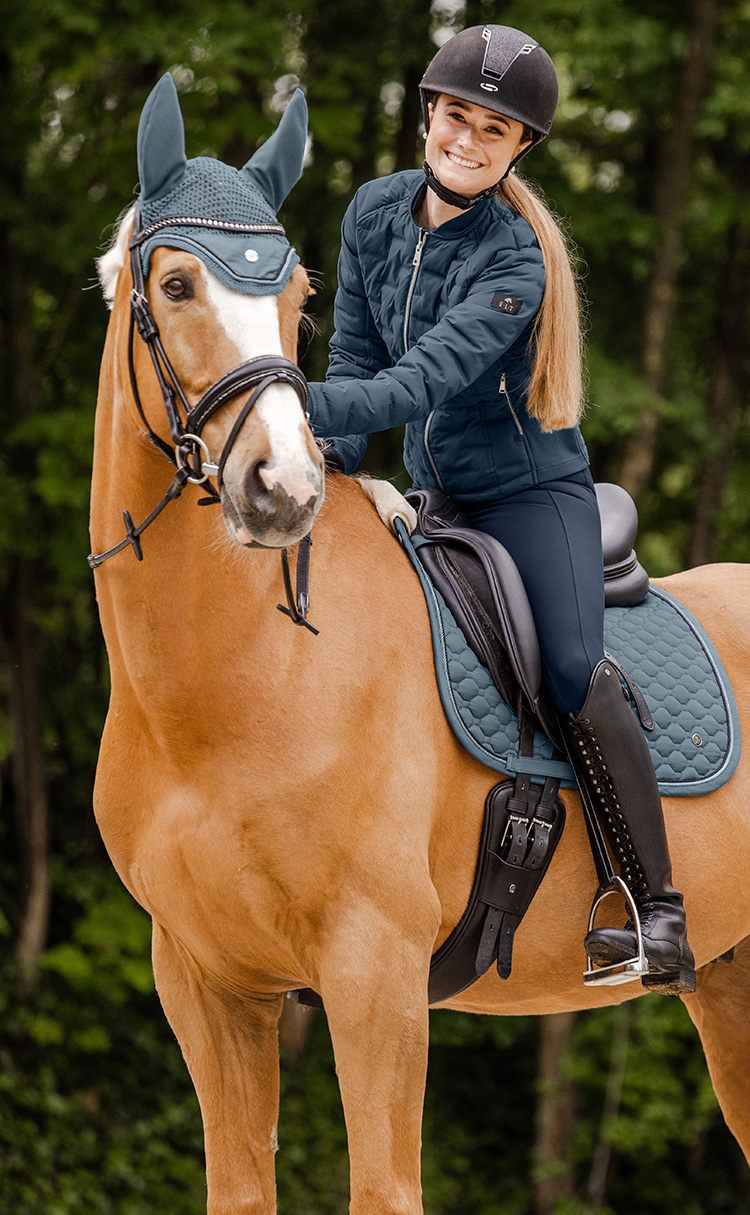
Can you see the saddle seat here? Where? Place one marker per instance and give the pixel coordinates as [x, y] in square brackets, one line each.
[482, 587]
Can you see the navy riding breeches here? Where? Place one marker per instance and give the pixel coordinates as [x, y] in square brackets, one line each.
[553, 533]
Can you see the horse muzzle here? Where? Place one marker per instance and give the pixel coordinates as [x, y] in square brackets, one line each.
[275, 503]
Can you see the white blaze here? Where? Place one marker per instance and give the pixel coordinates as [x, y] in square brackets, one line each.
[252, 324]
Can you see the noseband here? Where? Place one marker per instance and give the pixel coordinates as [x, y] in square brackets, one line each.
[189, 453]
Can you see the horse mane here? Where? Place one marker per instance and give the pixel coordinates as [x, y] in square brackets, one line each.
[109, 265]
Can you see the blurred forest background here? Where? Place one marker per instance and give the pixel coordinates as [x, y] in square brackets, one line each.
[649, 161]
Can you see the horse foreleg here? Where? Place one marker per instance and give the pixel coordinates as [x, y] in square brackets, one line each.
[375, 995]
[230, 1044]
[720, 1011]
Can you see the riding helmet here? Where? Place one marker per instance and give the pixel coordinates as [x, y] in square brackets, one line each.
[500, 69]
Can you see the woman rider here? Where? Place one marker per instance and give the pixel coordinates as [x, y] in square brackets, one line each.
[457, 314]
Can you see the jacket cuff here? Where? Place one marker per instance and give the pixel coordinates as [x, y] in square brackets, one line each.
[318, 411]
[334, 461]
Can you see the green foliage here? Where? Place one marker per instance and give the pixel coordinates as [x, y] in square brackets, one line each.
[97, 1112]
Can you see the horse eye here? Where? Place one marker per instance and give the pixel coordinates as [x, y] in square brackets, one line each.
[177, 288]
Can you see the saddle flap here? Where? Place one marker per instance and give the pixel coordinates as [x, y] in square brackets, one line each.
[480, 582]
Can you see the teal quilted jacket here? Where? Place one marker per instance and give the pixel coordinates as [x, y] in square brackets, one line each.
[432, 330]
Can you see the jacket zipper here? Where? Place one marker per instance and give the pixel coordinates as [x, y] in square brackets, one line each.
[415, 263]
[429, 453]
[504, 390]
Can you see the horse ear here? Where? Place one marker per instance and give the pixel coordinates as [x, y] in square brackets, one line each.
[161, 142]
[277, 165]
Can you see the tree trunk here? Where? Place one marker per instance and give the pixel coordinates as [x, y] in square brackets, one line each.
[28, 762]
[554, 1115]
[673, 177]
[411, 30]
[725, 394]
[407, 153]
[597, 1183]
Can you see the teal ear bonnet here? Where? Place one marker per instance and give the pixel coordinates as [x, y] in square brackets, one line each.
[225, 216]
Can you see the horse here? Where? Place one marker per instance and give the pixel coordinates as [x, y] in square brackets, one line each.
[291, 808]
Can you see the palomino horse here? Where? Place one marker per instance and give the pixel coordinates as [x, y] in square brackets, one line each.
[293, 810]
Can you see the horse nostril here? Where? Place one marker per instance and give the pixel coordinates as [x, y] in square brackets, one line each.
[257, 489]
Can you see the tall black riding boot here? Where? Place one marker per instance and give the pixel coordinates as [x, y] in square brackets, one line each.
[609, 753]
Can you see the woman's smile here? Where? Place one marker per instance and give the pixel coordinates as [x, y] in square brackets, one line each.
[461, 160]
[470, 148]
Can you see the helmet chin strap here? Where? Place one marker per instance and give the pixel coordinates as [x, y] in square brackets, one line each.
[460, 200]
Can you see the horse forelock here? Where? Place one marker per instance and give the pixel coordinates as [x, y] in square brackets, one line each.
[109, 265]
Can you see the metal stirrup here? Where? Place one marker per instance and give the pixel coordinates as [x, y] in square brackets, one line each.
[619, 972]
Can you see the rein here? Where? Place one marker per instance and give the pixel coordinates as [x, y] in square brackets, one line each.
[189, 449]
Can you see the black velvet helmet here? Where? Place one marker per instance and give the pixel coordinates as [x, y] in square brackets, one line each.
[500, 69]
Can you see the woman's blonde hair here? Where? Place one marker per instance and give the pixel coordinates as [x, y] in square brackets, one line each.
[555, 396]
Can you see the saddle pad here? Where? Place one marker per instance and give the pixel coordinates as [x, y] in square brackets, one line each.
[695, 744]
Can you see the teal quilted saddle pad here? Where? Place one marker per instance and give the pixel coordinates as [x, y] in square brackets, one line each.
[695, 744]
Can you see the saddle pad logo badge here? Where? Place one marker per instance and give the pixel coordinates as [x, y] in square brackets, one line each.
[506, 303]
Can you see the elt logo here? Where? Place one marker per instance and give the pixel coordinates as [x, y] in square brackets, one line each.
[506, 303]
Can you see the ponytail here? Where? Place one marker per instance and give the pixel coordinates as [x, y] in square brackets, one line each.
[555, 395]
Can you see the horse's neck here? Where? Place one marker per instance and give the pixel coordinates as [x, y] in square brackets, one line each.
[199, 616]
[171, 620]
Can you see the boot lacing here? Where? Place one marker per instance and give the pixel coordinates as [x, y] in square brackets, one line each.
[604, 791]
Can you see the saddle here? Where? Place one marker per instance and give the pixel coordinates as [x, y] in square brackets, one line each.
[482, 588]
[523, 820]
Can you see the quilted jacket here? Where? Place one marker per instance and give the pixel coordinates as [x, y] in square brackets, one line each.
[432, 330]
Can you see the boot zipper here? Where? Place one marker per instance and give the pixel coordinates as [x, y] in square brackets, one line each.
[504, 390]
[429, 453]
[415, 263]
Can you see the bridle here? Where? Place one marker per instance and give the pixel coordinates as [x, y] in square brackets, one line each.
[189, 453]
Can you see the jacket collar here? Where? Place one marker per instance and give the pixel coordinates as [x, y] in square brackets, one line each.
[452, 228]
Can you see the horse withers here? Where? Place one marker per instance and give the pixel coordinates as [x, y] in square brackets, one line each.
[293, 810]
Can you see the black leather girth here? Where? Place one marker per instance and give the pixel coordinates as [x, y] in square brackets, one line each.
[515, 871]
[522, 825]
